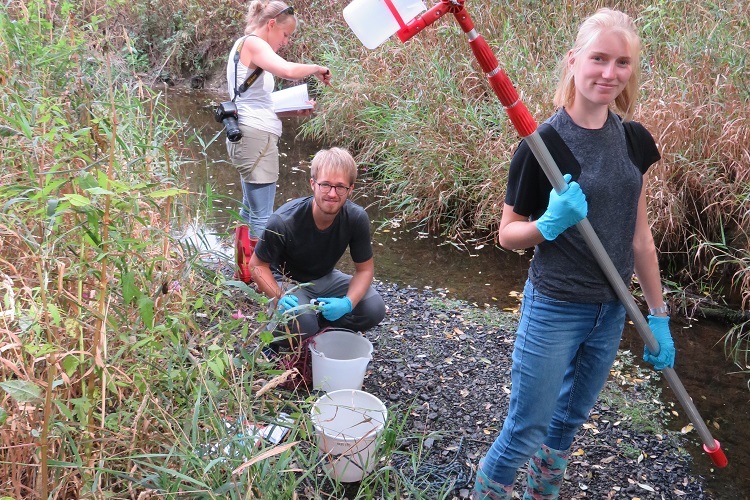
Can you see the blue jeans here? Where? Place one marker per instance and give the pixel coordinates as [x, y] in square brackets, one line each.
[257, 206]
[561, 360]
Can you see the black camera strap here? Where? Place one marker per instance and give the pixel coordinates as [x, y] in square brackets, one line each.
[250, 79]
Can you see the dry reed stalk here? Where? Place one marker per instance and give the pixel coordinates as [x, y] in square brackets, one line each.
[276, 381]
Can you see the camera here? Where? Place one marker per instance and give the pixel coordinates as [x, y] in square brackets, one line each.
[226, 113]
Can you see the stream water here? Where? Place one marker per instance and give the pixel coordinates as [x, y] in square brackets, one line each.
[486, 276]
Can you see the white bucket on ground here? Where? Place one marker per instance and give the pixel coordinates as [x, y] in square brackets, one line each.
[347, 424]
[339, 360]
[374, 23]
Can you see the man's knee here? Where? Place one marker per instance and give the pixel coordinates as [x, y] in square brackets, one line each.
[299, 327]
[373, 309]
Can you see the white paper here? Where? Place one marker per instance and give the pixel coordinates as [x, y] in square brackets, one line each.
[291, 99]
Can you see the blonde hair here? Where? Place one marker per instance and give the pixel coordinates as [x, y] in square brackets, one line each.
[261, 11]
[334, 160]
[603, 21]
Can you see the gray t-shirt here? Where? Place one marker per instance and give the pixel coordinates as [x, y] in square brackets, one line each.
[565, 268]
[296, 248]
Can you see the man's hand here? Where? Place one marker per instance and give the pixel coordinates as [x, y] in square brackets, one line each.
[333, 308]
[660, 328]
[288, 301]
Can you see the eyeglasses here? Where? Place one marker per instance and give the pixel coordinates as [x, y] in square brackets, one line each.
[326, 188]
[289, 10]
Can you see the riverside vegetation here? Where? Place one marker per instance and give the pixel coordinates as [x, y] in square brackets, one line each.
[121, 365]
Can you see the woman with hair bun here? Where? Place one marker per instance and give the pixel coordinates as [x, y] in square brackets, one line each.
[252, 65]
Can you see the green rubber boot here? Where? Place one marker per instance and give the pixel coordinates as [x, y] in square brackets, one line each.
[546, 471]
[487, 489]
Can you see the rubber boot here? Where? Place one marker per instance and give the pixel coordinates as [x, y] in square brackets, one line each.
[244, 246]
[546, 474]
[487, 489]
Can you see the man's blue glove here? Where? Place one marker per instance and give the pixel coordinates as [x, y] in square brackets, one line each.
[333, 308]
[288, 301]
[660, 328]
[564, 210]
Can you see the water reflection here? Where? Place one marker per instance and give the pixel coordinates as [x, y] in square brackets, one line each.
[487, 276]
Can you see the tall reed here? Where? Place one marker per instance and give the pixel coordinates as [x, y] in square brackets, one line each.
[102, 358]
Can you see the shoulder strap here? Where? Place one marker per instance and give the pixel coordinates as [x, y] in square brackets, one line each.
[560, 151]
[527, 176]
[251, 77]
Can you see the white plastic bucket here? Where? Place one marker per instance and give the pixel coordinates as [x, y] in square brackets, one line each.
[374, 23]
[347, 424]
[339, 360]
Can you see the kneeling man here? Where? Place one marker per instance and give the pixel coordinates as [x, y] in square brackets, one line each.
[302, 243]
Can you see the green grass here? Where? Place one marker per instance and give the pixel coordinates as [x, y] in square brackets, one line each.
[631, 391]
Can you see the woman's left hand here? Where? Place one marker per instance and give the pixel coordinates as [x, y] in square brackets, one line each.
[297, 113]
[659, 326]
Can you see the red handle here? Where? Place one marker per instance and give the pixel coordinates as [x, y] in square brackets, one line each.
[717, 455]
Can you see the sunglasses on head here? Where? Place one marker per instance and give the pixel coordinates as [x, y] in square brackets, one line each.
[289, 10]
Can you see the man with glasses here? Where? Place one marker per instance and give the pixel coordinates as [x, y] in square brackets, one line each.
[294, 262]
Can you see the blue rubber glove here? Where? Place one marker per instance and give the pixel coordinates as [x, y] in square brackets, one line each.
[660, 328]
[333, 308]
[564, 210]
[288, 301]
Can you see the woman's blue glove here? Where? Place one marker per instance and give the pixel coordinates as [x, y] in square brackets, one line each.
[564, 210]
[333, 308]
[660, 328]
[288, 301]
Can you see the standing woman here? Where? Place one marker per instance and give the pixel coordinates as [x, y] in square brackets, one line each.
[571, 320]
[270, 24]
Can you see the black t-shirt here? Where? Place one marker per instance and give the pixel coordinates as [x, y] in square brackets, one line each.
[296, 248]
[605, 167]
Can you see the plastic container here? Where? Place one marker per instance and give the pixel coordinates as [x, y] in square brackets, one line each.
[374, 23]
[339, 360]
[347, 424]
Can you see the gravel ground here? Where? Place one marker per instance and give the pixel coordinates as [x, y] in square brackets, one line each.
[443, 366]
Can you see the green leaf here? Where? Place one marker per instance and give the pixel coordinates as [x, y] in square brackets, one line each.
[77, 200]
[22, 391]
[146, 306]
[171, 472]
[129, 290]
[99, 190]
[70, 364]
[217, 367]
[163, 193]
[52, 206]
[87, 181]
[64, 410]
[266, 337]
[7, 131]
[54, 313]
